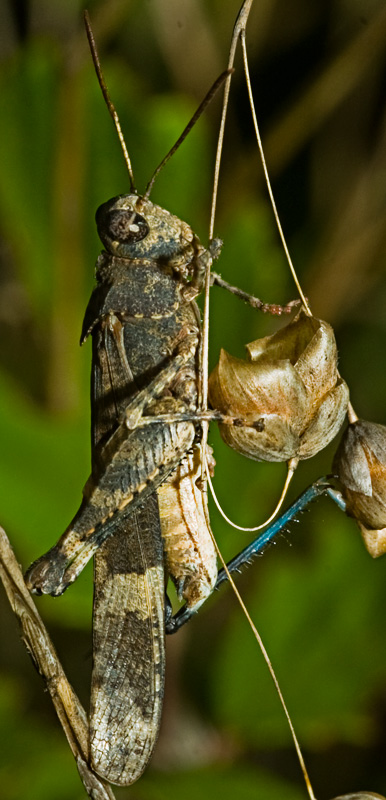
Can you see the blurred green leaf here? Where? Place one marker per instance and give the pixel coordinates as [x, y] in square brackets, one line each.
[315, 622]
[226, 783]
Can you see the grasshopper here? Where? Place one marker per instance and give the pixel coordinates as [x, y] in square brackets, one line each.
[145, 337]
[141, 506]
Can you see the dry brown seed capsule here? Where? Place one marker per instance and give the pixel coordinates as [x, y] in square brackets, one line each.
[361, 796]
[289, 393]
[360, 464]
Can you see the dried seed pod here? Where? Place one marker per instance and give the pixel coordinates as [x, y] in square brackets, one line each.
[289, 395]
[360, 464]
[361, 796]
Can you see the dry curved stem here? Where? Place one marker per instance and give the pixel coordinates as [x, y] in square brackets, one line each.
[239, 33]
[267, 660]
[71, 713]
[291, 467]
[266, 175]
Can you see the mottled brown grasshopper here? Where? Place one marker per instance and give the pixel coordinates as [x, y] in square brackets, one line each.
[142, 504]
[145, 327]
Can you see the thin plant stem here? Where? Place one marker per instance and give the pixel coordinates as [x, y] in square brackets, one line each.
[35, 637]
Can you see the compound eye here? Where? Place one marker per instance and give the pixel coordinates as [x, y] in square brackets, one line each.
[124, 225]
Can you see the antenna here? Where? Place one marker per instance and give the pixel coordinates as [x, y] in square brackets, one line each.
[107, 99]
[201, 108]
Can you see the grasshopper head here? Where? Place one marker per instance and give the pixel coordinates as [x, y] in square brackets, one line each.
[133, 227]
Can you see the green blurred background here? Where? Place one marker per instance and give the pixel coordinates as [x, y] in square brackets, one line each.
[319, 77]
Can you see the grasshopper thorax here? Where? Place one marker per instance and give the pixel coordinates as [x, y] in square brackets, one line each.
[133, 227]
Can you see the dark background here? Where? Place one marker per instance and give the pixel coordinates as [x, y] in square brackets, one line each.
[318, 72]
